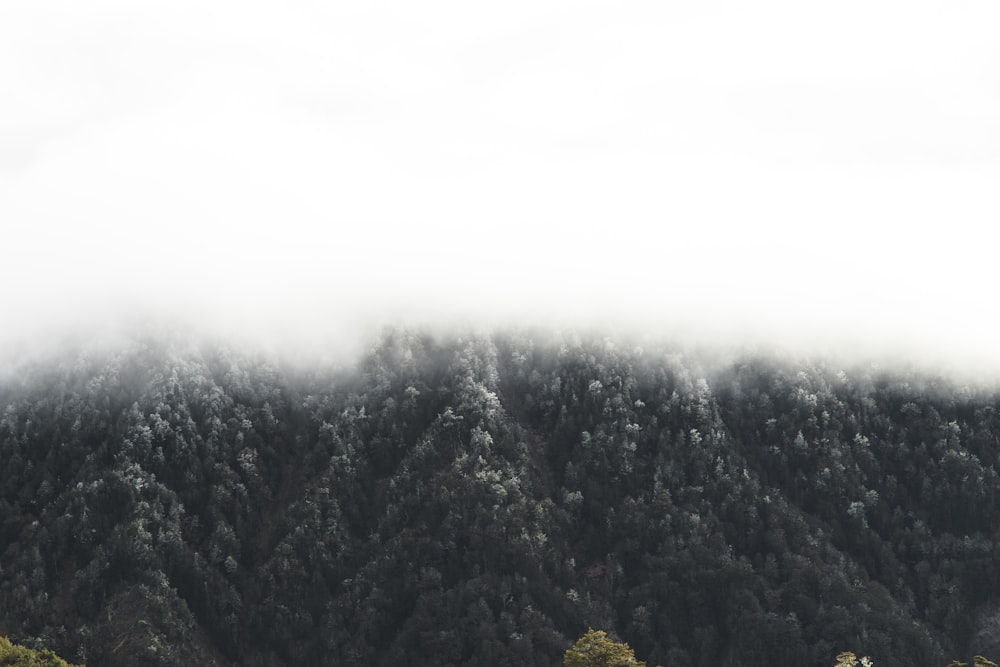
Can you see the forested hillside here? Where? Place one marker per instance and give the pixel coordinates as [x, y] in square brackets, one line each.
[484, 500]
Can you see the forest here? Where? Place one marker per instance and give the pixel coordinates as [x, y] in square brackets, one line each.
[485, 498]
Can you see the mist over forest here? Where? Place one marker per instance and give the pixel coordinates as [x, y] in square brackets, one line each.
[470, 497]
[438, 333]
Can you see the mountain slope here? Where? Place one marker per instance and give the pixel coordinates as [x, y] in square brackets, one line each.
[483, 500]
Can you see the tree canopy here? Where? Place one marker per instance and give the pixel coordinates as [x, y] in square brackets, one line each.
[481, 499]
[595, 649]
[13, 655]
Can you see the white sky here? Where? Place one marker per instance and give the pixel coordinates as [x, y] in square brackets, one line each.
[786, 169]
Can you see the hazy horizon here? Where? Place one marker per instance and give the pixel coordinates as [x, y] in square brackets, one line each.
[816, 177]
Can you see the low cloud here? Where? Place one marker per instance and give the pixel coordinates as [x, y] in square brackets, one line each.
[297, 174]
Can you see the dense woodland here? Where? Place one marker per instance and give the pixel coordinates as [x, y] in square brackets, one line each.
[483, 500]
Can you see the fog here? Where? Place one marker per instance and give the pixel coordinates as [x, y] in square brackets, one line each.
[299, 174]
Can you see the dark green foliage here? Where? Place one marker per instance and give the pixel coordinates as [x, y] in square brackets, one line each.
[484, 500]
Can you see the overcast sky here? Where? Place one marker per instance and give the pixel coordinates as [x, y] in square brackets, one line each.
[777, 168]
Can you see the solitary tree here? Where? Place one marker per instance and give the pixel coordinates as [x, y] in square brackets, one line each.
[13, 655]
[594, 649]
